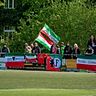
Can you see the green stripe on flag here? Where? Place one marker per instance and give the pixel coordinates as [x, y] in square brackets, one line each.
[86, 56]
[51, 34]
[42, 42]
[14, 54]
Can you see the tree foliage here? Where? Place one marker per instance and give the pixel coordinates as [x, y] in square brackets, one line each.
[72, 20]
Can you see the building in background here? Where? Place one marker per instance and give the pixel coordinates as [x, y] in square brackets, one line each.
[7, 26]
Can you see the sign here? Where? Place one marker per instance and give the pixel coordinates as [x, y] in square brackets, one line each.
[71, 63]
[86, 62]
[53, 62]
[56, 60]
[41, 58]
[2, 63]
[30, 58]
[14, 60]
[57, 63]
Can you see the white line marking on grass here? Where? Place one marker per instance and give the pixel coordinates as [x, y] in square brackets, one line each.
[43, 89]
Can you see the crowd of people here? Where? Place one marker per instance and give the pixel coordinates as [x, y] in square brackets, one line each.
[33, 48]
[66, 50]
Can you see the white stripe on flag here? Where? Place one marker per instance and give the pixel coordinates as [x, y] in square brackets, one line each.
[86, 61]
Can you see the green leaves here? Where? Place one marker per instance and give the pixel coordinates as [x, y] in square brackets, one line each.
[72, 20]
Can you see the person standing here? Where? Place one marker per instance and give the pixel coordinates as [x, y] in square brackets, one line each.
[5, 49]
[92, 43]
[89, 51]
[68, 51]
[32, 47]
[36, 49]
[58, 49]
[76, 51]
[62, 49]
[53, 49]
[27, 48]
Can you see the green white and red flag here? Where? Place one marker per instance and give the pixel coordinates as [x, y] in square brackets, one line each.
[86, 62]
[44, 41]
[50, 34]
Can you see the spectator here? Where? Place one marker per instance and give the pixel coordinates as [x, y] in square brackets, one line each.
[62, 49]
[67, 51]
[36, 50]
[76, 51]
[5, 49]
[53, 49]
[58, 49]
[32, 47]
[89, 51]
[92, 43]
[27, 48]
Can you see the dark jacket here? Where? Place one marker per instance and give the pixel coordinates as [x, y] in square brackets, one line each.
[67, 52]
[58, 51]
[92, 45]
[89, 51]
[5, 50]
[36, 50]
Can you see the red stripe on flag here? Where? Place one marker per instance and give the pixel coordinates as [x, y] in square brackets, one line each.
[47, 39]
[33, 60]
[15, 64]
[86, 67]
[43, 32]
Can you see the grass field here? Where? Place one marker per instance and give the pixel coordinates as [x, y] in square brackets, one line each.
[38, 83]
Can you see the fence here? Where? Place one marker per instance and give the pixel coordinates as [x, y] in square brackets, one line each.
[2, 61]
[48, 62]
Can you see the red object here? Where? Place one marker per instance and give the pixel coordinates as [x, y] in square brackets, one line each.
[15, 64]
[49, 66]
[41, 58]
[33, 60]
[86, 67]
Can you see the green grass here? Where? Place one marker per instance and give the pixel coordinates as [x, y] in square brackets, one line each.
[50, 80]
[36, 83]
[48, 92]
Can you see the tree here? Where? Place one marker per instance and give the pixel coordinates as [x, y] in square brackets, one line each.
[1, 3]
[72, 21]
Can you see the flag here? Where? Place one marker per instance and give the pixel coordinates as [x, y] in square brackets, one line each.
[86, 62]
[44, 41]
[49, 33]
[29, 58]
[14, 60]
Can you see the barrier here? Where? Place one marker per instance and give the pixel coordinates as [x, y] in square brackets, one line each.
[53, 62]
[50, 62]
[42, 58]
[30, 58]
[86, 62]
[14, 60]
[2, 63]
[71, 65]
